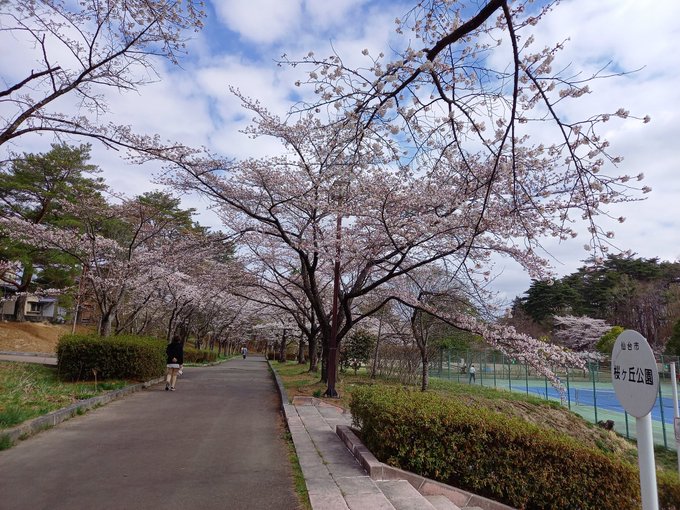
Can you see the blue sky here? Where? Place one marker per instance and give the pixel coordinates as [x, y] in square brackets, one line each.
[242, 40]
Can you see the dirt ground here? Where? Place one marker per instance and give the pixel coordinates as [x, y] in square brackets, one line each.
[32, 336]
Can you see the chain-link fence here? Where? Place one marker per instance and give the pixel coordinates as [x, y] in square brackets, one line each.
[588, 392]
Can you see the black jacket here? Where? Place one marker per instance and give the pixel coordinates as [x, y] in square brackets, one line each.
[175, 350]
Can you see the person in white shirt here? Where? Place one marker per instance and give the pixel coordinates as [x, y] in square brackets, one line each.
[472, 371]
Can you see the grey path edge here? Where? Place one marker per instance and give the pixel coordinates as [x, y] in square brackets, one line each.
[380, 471]
[326, 494]
[29, 354]
[36, 425]
[279, 385]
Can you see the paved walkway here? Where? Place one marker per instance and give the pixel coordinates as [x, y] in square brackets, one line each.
[338, 479]
[335, 480]
[215, 443]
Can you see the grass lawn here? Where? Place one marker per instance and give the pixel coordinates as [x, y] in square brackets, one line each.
[299, 381]
[30, 390]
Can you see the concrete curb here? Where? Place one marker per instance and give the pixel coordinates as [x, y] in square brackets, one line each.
[35, 354]
[279, 385]
[32, 427]
[379, 471]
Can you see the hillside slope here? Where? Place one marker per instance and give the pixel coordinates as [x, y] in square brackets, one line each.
[32, 336]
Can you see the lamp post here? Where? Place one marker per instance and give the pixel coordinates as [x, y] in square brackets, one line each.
[341, 187]
[333, 340]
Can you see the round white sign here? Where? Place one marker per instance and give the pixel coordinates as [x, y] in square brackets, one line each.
[634, 373]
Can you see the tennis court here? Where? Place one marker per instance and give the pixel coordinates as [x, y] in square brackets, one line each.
[588, 393]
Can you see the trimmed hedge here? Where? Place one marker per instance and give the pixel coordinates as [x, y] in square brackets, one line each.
[491, 454]
[116, 357]
[192, 355]
[669, 490]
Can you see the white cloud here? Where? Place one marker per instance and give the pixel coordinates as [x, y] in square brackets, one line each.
[324, 15]
[260, 21]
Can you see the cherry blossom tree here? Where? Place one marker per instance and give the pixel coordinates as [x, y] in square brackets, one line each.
[451, 153]
[579, 333]
[125, 250]
[430, 287]
[396, 221]
[469, 91]
[275, 281]
[77, 50]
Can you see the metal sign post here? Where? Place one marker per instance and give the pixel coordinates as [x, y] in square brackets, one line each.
[636, 382]
[676, 412]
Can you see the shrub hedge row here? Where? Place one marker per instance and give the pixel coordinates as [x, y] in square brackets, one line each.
[491, 454]
[669, 490]
[117, 357]
[192, 355]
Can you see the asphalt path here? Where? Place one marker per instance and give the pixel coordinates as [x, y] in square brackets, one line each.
[215, 443]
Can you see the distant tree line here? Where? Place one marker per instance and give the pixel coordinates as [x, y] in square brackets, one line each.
[623, 290]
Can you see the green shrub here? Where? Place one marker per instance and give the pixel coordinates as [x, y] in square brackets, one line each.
[490, 454]
[669, 490]
[356, 350]
[117, 357]
[192, 355]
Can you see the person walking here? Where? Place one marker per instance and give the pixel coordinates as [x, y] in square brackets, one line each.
[175, 360]
[244, 351]
[472, 372]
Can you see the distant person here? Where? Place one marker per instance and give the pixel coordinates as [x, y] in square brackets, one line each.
[175, 360]
[472, 372]
[244, 351]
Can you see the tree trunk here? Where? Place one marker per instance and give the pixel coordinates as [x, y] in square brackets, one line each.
[374, 368]
[20, 308]
[324, 362]
[313, 355]
[105, 324]
[282, 348]
[426, 375]
[301, 350]
[20, 303]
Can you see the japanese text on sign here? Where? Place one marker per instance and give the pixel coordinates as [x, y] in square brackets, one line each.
[635, 375]
[630, 346]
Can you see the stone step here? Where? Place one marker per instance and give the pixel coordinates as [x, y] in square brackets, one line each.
[442, 502]
[404, 496]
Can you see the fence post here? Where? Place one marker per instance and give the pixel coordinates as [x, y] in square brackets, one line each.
[526, 376]
[663, 422]
[441, 361]
[676, 410]
[448, 362]
[592, 374]
[627, 431]
[568, 391]
[458, 371]
[509, 377]
[546, 387]
[494, 369]
[482, 358]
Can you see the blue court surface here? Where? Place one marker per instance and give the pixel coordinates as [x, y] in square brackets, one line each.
[605, 399]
